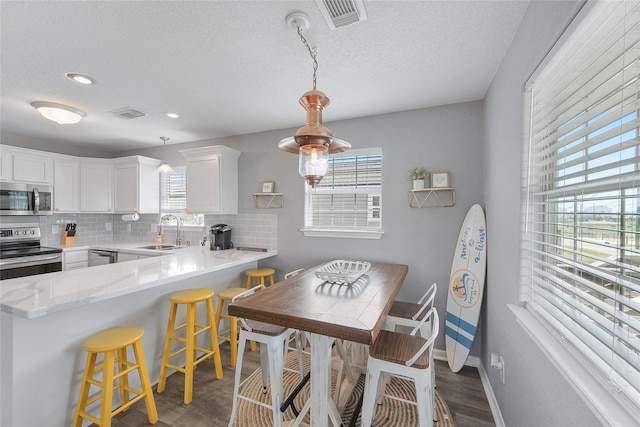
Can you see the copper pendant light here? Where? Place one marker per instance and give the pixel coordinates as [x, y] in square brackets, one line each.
[313, 142]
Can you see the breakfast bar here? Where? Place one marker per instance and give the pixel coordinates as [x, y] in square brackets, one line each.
[46, 318]
[353, 312]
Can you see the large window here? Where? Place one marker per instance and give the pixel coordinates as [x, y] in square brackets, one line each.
[348, 200]
[581, 245]
[173, 200]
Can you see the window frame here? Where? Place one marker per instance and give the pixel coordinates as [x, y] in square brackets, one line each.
[554, 310]
[375, 197]
[170, 216]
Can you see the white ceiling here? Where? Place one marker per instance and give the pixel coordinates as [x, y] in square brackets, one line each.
[235, 67]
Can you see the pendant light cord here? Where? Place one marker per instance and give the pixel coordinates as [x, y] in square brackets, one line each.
[312, 53]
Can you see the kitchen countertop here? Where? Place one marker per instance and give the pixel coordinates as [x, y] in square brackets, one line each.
[35, 296]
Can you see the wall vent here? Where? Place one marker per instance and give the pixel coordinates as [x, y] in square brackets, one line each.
[128, 113]
[340, 13]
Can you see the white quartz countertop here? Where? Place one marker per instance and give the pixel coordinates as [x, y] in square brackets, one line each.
[35, 296]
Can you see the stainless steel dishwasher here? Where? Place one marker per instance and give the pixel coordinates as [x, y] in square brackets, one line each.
[101, 257]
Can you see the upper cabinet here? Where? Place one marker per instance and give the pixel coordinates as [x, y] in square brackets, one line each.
[82, 184]
[136, 184]
[6, 165]
[212, 179]
[96, 185]
[22, 165]
[66, 184]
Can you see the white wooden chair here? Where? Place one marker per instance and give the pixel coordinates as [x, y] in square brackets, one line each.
[403, 355]
[410, 313]
[273, 341]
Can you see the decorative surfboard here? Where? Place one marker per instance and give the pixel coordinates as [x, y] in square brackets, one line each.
[466, 285]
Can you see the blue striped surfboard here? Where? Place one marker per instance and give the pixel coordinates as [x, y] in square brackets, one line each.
[466, 285]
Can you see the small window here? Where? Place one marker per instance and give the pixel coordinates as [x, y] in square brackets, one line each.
[173, 200]
[348, 200]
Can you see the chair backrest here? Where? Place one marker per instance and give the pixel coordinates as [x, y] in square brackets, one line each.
[435, 329]
[245, 294]
[293, 273]
[427, 301]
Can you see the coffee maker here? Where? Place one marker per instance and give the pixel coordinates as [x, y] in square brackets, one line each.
[220, 237]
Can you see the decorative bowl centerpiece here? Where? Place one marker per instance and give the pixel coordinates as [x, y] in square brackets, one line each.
[342, 271]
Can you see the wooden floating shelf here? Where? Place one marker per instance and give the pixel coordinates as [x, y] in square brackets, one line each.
[267, 200]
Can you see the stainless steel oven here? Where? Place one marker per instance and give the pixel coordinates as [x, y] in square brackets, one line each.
[21, 254]
[25, 199]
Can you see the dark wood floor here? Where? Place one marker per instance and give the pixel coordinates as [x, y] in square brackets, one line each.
[211, 405]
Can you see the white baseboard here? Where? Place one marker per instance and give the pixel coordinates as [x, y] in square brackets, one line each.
[474, 361]
[493, 402]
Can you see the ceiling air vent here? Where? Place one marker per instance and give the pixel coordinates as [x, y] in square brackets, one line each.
[128, 113]
[340, 13]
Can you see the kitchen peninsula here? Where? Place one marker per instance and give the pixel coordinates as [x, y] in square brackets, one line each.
[45, 320]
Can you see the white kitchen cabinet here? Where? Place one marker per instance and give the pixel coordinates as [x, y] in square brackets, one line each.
[136, 184]
[96, 185]
[6, 164]
[74, 259]
[212, 179]
[24, 165]
[66, 184]
[124, 256]
[32, 168]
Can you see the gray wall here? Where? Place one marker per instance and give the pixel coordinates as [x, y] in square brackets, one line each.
[445, 138]
[534, 394]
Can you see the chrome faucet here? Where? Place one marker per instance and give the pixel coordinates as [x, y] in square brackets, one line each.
[178, 239]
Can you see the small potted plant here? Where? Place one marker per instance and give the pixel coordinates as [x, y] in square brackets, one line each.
[419, 175]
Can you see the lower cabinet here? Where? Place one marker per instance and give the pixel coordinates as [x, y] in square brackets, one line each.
[72, 260]
[124, 256]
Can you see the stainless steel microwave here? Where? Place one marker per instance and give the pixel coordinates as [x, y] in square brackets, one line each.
[25, 199]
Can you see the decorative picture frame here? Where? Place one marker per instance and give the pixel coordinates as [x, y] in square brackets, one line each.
[440, 180]
[267, 186]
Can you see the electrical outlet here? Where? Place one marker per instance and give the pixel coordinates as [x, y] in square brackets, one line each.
[497, 362]
[108, 226]
[55, 229]
[128, 227]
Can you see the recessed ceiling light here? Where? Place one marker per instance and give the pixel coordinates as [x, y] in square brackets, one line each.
[59, 113]
[172, 115]
[81, 78]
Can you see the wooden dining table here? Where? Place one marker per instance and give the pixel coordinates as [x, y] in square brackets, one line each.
[354, 312]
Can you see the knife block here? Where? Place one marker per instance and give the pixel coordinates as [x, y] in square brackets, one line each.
[66, 240]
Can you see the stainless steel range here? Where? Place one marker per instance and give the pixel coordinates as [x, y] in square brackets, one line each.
[21, 254]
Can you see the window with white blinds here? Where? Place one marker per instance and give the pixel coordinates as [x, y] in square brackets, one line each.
[581, 194]
[173, 199]
[348, 200]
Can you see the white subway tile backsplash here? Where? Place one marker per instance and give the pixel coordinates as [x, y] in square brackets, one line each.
[253, 230]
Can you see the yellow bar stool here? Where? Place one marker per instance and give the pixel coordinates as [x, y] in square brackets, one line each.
[113, 344]
[190, 298]
[231, 334]
[259, 274]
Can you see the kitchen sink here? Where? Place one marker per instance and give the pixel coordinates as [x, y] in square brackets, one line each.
[160, 247]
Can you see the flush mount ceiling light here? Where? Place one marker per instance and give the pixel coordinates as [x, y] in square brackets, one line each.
[164, 166]
[172, 115]
[312, 142]
[81, 78]
[62, 114]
